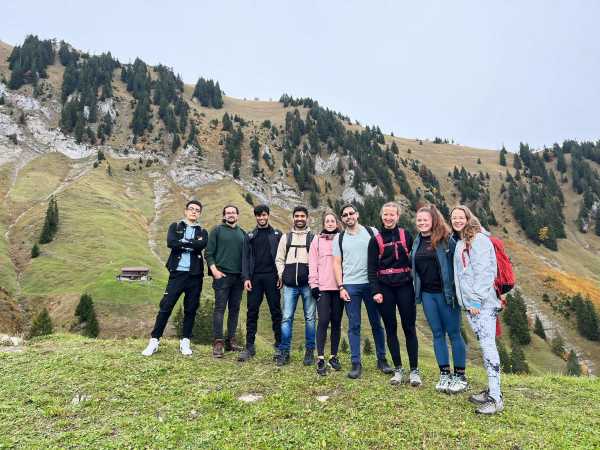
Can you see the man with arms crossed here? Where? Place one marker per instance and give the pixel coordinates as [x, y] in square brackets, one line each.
[186, 239]
[350, 267]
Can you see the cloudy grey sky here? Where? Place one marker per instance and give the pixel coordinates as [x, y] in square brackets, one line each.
[483, 73]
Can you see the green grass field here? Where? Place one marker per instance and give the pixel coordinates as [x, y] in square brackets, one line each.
[168, 401]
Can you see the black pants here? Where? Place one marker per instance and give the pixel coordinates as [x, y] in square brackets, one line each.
[263, 284]
[403, 298]
[329, 310]
[228, 293]
[179, 283]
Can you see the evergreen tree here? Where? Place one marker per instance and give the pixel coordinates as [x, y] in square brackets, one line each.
[227, 124]
[202, 331]
[35, 251]
[503, 153]
[178, 322]
[538, 328]
[42, 324]
[84, 308]
[586, 317]
[504, 357]
[176, 143]
[314, 199]
[368, 346]
[558, 345]
[573, 367]
[516, 318]
[92, 328]
[50, 223]
[518, 363]
[344, 348]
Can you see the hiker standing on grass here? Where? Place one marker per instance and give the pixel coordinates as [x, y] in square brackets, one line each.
[475, 269]
[392, 287]
[325, 290]
[292, 269]
[224, 252]
[186, 239]
[260, 277]
[350, 265]
[433, 275]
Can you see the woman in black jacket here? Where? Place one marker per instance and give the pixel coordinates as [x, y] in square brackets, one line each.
[389, 268]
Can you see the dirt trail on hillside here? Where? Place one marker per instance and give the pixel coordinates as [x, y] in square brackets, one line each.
[160, 194]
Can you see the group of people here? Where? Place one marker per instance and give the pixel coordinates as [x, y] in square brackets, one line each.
[447, 269]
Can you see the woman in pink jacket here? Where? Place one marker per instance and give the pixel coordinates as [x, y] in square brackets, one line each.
[325, 291]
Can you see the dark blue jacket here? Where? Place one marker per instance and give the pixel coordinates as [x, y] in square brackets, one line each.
[445, 255]
[175, 235]
[248, 254]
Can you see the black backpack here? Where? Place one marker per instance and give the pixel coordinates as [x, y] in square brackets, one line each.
[341, 238]
[309, 238]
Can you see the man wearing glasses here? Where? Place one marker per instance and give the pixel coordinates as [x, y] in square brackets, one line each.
[224, 252]
[350, 253]
[186, 239]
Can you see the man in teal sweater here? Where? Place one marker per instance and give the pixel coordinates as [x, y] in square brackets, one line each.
[226, 243]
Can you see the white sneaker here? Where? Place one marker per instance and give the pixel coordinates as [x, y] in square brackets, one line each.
[415, 378]
[458, 384]
[184, 347]
[398, 376]
[152, 347]
[442, 385]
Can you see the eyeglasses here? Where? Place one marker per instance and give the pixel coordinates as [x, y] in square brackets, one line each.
[348, 214]
[195, 210]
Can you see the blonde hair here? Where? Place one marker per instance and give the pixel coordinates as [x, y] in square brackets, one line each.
[391, 205]
[439, 228]
[330, 212]
[472, 227]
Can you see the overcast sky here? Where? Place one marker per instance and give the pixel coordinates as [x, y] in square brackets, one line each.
[482, 73]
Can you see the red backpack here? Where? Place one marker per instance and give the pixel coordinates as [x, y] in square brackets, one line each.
[505, 276]
[382, 245]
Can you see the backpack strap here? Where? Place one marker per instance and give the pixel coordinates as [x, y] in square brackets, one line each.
[370, 231]
[380, 244]
[340, 239]
[288, 243]
[309, 238]
[402, 234]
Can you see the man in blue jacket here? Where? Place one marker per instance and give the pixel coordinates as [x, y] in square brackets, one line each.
[260, 278]
[186, 239]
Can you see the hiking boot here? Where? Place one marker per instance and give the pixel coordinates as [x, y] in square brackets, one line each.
[151, 348]
[398, 376]
[356, 371]
[283, 358]
[383, 365]
[184, 347]
[491, 406]
[480, 398]
[335, 364]
[458, 384]
[276, 353]
[248, 353]
[321, 367]
[414, 378]
[442, 385]
[218, 348]
[231, 345]
[309, 357]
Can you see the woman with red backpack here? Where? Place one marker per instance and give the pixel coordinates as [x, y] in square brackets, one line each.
[475, 270]
[433, 274]
[390, 279]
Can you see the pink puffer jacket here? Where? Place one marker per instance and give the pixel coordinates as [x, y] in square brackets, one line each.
[320, 263]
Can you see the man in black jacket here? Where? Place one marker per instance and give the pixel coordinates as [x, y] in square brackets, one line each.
[260, 277]
[186, 239]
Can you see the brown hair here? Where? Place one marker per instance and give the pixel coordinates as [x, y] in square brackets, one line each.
[472, 227]
[439, 228]
[330, 212]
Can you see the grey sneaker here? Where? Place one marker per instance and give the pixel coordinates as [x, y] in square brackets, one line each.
[398, 377]
[491, 406]
[442, 385]
[480, 398]
[415, 378]
[458, 384]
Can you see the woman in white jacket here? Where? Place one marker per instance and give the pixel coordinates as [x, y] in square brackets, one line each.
[474, 273]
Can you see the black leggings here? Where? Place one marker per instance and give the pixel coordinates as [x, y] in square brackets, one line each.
[329, 309]
[403, 298]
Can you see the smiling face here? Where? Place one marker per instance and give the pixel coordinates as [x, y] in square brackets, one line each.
[330, 224]
[390, 217]
[424, 223]
[262, 220]
[458, 219]
[192, 212]
[230, 215]
[349, 217]
[300, 220]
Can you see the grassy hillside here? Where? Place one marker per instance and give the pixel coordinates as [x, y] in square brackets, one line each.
[68, 391]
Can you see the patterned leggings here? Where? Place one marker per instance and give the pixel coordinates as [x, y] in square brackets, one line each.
[484, 327]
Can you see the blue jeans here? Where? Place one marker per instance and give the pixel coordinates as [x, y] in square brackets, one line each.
[290, 301]
[444, 319]
[358, 294]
